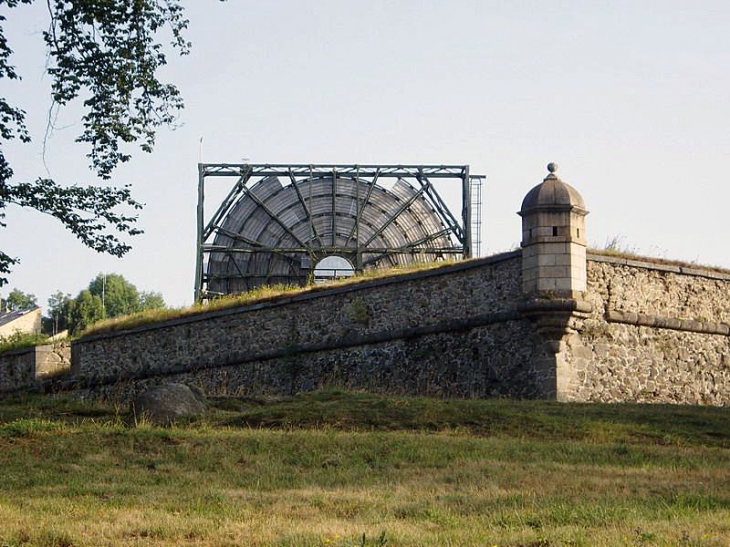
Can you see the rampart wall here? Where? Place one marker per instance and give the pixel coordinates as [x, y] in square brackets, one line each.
[548, 321]
[451, 331]
[641, 332]
[657, 333]
[648, 332]
[16, 370]
[24, 368]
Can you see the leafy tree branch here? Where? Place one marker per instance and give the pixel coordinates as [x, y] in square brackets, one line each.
[107, 54]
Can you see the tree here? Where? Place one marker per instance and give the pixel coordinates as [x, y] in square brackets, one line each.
[120, 297]
[151, 300]
[108, 52]
[86, 309]
[59, 313]
[108, 296]
[18, 300]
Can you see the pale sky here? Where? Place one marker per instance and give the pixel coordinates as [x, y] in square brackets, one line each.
[630, 98]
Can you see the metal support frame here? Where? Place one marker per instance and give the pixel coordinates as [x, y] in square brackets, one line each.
[248, 174]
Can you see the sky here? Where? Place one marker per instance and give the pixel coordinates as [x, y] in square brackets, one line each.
[630, 98]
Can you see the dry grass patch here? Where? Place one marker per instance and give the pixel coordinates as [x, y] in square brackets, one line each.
[259, 294]
[630, 254]
[69, 479]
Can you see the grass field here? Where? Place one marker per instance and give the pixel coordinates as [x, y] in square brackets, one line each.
[344, 469]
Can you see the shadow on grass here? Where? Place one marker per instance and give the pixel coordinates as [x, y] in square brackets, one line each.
[654, 424]
[353, 411]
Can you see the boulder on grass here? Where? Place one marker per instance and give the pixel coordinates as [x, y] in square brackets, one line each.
[168, 403]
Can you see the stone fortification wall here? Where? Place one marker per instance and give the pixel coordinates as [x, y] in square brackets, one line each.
[657, 333]
[52, 360]
[549, 321]
[22, 369]
[633, 286]
[449, 331]
[641, 332]
[16, 370]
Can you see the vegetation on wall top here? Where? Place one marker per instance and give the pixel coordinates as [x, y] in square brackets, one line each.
[21, 340]
[616, 247]
[259, 294]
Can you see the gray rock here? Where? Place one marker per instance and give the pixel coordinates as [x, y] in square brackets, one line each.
[168, 403]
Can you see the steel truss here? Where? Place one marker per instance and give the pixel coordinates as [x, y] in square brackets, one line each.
[267, 232]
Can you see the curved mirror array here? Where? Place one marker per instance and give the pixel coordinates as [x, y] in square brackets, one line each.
[278, 233]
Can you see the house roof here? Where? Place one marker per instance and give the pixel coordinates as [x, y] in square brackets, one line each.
[7, 317]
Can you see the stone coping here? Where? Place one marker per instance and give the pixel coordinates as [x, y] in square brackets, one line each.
[286, 299]
[698, 271]
[47, 346]
[672, 323]
[21, 351]
[554, 305]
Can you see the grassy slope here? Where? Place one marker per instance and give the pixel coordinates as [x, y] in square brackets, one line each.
[326, 468]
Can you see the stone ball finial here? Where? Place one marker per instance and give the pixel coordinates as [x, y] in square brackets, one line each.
[552, 167]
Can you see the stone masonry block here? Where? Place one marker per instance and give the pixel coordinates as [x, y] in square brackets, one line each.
[558, 247]
[546, 284]
[564, 260]
[578, 251]
[555, 271]
[529, 261]
[547, 260]
[565, 284]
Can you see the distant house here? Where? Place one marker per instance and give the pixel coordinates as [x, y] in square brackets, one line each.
[25, 321]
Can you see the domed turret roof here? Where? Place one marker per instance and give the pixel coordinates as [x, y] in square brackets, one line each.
[552, 193]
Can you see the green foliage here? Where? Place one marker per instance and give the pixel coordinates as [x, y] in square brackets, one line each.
[108, 296]
[110, 48]
[59, 313]
[120, 297]
[86, 309]
[18, 300]
[538, 420]
[149, 300]
[109, 55]
[154, 315]
[27, 427]
[20, 340]
[357, 311]
[615, 248]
